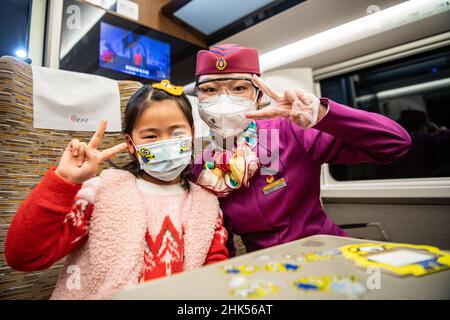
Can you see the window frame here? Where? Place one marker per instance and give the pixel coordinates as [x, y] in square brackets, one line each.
[418, 188]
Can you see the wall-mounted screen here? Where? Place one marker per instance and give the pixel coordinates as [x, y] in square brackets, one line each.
[135, 54]
[98, 42]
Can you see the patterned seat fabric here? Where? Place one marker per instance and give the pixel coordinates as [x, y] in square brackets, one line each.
[26, 153]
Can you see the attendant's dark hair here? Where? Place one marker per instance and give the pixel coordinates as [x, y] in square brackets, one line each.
[138, 103]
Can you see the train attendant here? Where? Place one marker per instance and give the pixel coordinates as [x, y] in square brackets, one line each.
[265, 163]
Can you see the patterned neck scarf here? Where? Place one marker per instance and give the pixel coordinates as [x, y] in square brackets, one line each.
[231, 169]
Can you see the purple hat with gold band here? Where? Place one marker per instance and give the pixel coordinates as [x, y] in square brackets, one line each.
[227, 58]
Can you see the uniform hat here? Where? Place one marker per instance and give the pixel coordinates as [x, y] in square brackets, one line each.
[227, 58]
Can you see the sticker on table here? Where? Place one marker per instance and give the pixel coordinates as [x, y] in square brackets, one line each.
[288, 256]
[242, 269]
[321, 256]
[281, 267]
[237, 281]
[315, 283]
[293, 257]
[253, 289]
[348, 286]
[398, 259]
[264, 257]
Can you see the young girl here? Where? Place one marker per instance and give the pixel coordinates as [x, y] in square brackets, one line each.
[124, 226]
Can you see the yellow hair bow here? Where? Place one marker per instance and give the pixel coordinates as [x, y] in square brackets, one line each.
[168, 87]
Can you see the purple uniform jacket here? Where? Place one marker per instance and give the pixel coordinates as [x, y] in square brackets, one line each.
[345, 135]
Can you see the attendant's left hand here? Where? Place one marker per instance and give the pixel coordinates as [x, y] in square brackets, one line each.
[297, 105]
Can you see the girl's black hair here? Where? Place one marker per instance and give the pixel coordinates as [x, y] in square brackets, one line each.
[138, 103]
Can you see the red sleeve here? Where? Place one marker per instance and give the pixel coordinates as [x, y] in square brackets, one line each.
[50, 223]
[218, 250]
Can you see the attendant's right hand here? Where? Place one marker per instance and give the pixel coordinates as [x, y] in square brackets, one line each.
[80, 161]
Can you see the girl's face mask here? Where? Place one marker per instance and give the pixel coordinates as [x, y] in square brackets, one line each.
[165, 160]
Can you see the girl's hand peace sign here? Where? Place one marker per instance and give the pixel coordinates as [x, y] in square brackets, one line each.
[80, 161]
[297, 105]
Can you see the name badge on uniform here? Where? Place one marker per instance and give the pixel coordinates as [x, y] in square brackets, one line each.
[273, 185]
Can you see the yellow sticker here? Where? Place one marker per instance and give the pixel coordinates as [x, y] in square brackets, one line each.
[398, 258]
[242, 269]
[281, 267]
[315, 283]
[254, 289]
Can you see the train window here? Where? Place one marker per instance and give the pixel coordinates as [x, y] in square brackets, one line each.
[414, 92]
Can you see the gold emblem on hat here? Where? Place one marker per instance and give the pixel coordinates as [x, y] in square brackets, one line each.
[221, 64]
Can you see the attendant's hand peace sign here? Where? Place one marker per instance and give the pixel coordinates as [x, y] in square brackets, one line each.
[297, 105]
[80, 161]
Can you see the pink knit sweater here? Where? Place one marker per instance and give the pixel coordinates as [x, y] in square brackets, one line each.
[112, 257]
